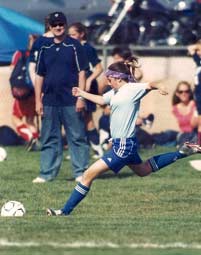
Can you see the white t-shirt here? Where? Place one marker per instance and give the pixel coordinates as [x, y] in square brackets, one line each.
[124, 104]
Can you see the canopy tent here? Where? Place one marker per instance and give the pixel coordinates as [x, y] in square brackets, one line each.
[14, 31]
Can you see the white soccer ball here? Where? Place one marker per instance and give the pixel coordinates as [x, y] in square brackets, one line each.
[13, 208]
[3, 154]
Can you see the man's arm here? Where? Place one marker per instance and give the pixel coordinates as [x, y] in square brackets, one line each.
[80, 104]
[82, 80]
[38, 94]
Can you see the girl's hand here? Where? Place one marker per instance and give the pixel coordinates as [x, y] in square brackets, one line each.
[163, 91]
[159, 86]
[76, 91]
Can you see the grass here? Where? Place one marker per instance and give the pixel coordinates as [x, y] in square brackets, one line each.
[122, 210]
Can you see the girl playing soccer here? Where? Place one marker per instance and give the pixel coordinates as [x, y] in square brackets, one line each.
[124, 100]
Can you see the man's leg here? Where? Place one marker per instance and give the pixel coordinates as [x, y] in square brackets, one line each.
[51, 144]
[77, 140]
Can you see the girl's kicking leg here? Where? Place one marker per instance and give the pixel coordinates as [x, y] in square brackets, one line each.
[157, 162]
[81, 189]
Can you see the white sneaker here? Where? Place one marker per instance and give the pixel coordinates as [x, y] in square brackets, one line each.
[67, 157]
[78, 179]
[38, 180]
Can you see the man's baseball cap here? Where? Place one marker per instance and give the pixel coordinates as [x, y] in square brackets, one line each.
[57, 17]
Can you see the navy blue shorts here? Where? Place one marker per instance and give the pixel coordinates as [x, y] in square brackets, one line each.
[197, 93]
[123, 152]
[90, 106]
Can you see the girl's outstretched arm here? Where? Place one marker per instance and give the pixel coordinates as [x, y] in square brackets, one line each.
[77, 92]
[159, 86]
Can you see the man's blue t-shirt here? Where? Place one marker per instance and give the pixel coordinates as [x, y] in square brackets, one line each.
[59, 64]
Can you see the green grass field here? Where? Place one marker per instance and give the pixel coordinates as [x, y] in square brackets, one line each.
[123, 214]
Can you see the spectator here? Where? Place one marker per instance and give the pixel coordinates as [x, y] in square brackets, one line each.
[24, 115]
[119, 54]
[60, 66]
[195, 51]
[122, 54]
[184, 109]
[78, 31]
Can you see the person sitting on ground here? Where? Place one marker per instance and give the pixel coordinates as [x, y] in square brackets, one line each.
[184, 109]
[23, 114]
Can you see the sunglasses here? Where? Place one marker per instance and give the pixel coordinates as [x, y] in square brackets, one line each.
[58, 24]
[183, 91]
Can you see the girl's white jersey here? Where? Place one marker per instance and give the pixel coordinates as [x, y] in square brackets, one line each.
[124, 104]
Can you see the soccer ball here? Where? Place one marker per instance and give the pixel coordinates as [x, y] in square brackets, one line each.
[3, 154]
[13, 208]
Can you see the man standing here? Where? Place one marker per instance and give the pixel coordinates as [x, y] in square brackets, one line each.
[60, 67]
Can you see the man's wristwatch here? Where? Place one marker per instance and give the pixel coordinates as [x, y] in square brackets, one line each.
[82, 98]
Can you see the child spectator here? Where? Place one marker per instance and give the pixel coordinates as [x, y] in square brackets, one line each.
[78, 31]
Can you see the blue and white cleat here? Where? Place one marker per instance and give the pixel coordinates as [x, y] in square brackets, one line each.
[190, 148]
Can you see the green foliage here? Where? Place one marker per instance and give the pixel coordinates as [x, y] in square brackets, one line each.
[121, 209]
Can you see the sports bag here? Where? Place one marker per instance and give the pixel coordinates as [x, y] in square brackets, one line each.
[20, 81]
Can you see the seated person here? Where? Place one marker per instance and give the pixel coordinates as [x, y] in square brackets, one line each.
[23, 114]
[184, 109]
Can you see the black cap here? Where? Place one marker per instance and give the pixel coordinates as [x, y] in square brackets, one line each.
[57, 17]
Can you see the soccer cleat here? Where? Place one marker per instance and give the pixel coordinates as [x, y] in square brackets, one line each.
[52, 212]
[190, 148]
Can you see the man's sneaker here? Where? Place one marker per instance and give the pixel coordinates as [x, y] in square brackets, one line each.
[190, 148]
[31, 145]
[52, 212]
[38, 180]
